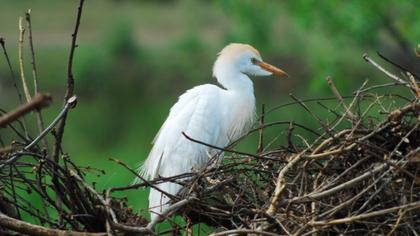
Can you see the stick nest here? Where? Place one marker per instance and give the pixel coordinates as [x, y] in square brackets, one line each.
[362, 179]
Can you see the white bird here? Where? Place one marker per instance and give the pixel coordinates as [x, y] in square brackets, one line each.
[208, 113]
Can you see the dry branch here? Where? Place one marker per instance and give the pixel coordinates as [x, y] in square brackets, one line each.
[21, 63]
[38, 102]
[36, 230]
[70, 83]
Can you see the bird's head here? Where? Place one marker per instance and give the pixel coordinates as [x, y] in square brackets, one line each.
[245, 59]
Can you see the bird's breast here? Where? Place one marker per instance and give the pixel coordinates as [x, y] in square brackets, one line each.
[241, 112]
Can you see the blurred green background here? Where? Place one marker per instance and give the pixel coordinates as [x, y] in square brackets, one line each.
[136, 57]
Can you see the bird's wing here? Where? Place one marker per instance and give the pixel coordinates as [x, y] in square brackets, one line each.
[198, 114]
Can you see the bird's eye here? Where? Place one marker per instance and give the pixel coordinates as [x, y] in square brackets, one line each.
[254, 60]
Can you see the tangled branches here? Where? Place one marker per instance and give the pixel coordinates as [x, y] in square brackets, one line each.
[359, 176]
[67, 204]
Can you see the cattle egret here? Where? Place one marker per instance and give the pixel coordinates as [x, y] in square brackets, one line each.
[209, 113]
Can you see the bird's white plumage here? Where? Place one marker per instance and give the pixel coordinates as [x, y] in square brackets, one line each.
[208, 113]
[194, 114]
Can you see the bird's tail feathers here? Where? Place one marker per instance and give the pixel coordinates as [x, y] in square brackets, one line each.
[150, 167]
[141, 171]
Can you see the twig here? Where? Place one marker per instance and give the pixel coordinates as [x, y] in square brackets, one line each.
[70, 84]
[353, 199]
[6, 55]
[260, 147]
[244, 232]
[407, 207]
[93, 191]
[355, 98]
[6, 149]
[223, 149]
[170, 210]
[70, 103]
[15, 81]
[348, 184]
[69, 93]
[397, 223]
[395, 64]
[348, 113]
[398, 113]
[21, 66]
[413, 84]
[143, 180]
[31, 46]
[38, 102]
[387, 73]
[39, 117]
[326, 128]
[133, 229]
[381, 86]
[281, 184]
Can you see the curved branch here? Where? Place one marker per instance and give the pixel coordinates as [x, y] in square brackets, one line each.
[31, 229]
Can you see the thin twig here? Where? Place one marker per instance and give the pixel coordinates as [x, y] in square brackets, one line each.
[387, 73]
[326, 128]
[170, 210]
[40, 121]
[12, 73]
[21, 64]
[15, 82]
[93, 191]
[260, 147]
[334, 89]
[223, 149]
[281, 184]
[334, 190]
[69, 93]
[70, 84]
[395, 64]
[244, 232]
[70, 103]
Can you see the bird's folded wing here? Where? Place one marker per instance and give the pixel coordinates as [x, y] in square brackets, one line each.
[197, 113]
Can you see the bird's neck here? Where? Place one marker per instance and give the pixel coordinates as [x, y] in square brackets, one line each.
[236, 81]
[240, 101]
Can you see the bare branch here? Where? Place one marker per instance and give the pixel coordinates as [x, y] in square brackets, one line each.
[70, 83]
[36, 230]
[21, 64]
[38, 102]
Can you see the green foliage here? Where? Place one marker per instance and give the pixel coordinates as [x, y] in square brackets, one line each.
[252, 21]
[120, 42]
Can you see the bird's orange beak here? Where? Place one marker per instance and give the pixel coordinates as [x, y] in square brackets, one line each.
[270, 68]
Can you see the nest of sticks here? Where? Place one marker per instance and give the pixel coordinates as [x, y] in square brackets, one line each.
[358, 173]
